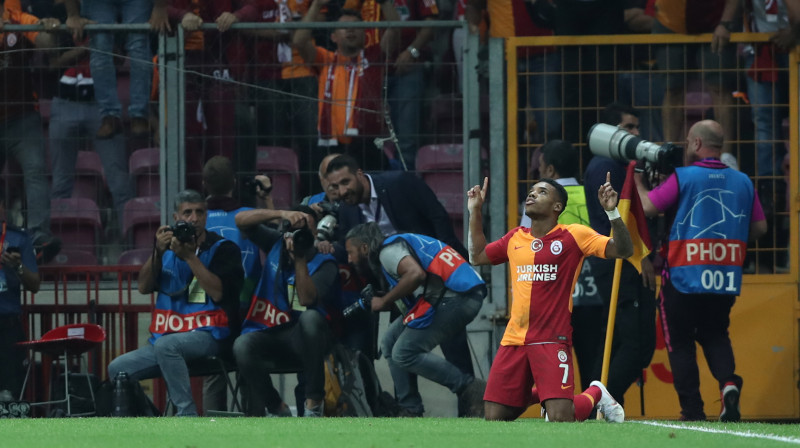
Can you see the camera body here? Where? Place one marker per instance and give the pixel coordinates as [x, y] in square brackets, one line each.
[253, 184]
[302, 238]
[327, 225]
[618, 144]
[364, 302]
[184, 231]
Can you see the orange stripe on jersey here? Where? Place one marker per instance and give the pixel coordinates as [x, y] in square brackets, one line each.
[543, 275]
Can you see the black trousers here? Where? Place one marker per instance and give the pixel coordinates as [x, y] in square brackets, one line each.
[701, 318]
[11, 355]
[634, 340]
[304, 343]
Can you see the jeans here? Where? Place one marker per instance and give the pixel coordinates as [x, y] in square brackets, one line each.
[70, 123]
[645, 92]
[408, 350]
[22, 138]
[537, 75]
[167, 358]
[768, 118]
[137, 46]
[406, 94]
[305, 343]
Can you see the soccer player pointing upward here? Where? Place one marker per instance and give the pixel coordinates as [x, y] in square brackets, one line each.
[537, 345]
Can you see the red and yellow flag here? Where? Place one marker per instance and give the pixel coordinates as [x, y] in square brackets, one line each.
[630, 208]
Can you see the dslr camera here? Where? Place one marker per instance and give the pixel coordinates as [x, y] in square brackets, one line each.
[183, 231]
[618, 144]
[253, 184]
[364, 302]
[327, 225]
[302, 238]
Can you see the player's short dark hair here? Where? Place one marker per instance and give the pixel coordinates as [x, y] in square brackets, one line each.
[218, 176]
[613, 113]
[343, 161]
[562, 192]
[562, 156]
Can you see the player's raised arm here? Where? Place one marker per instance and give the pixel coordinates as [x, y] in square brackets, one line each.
[620, 246]
[476, 240]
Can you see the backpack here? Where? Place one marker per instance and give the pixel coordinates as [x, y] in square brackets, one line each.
[345, 389]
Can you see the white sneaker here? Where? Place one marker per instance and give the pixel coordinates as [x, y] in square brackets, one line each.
[612, 411]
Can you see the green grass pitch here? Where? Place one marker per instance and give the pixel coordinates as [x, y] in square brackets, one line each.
[382, 432]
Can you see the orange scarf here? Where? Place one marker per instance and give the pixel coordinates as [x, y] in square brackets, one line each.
[338, 114]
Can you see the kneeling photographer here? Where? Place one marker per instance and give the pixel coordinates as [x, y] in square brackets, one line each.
[287, 323]
[197, 276]
[438, 293]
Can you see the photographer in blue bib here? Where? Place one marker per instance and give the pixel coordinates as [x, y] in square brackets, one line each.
[197, 276]
[288, 320]
[17, 270]
[714, 212]
[437, 292]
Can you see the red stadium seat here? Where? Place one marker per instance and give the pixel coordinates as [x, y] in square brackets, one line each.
[142, 219]
[143, 168]
[134, 257]
[441, 167]
[77, 222]
[89, 177]
[281, 165]
[73, 257]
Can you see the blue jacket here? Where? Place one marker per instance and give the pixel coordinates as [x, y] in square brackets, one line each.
[272, 301]
[181, 305]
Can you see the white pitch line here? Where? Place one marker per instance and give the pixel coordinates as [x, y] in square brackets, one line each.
[794, 440]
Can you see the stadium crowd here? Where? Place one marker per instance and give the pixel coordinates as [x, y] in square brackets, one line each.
[332, 98]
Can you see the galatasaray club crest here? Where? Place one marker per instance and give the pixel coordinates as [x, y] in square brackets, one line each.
[562, 356]
[537, 245]
[555, 247]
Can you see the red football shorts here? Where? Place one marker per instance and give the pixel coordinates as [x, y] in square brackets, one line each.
[516, 368]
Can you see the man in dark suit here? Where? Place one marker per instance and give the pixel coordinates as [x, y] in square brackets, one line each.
[399, 202]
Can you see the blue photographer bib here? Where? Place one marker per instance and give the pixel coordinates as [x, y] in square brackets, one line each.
[273, 302]
[182, 305]
[708, 238]
[440, 260]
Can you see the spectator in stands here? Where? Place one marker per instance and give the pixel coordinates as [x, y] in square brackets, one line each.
[720, 17]
[287, 321]
[438, 293]
[197, 280]
[768, 86]
[594, 66]
[286, 98]
[350, 81]
[137, 45]
[634, 339]
[399, 202]
[212, 61]
[18, 271]
[638, 83]
[21, 134]
[219, 181]
[407, 56]
[540, 86]
[74, 114]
